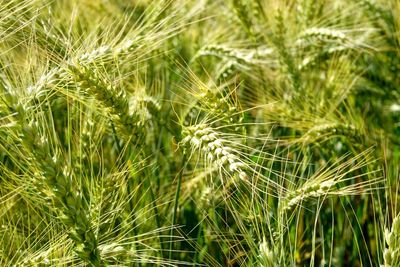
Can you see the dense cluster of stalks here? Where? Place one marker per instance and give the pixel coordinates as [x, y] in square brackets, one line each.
[199, 133]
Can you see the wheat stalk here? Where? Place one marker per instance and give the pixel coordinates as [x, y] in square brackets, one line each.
[266, 256]
[321, 131]
[216, 149]
[128, 122]
[64, 195]
[328, 182]
[392, 237]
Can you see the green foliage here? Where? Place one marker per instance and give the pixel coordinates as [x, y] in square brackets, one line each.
[199, 133]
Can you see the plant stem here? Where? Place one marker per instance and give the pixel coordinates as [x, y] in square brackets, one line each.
[178, 189]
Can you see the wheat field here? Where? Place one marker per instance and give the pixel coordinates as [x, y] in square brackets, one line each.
[216, 133]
